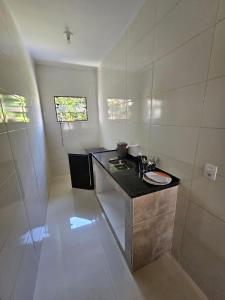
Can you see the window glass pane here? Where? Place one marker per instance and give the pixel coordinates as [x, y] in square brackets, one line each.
[70, 109]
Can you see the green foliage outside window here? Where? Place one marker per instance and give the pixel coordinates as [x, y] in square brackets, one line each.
[70, 109]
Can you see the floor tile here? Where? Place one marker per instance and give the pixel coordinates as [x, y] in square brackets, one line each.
[80, 259]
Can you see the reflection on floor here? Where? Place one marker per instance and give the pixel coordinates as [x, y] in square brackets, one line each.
[80, 259]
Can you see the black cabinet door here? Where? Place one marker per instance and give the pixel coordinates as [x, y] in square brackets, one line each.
[80, 171]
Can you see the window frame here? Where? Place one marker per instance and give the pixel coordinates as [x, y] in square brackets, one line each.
[74, 120]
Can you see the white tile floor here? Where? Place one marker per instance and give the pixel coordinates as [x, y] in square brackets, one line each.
[80, 259]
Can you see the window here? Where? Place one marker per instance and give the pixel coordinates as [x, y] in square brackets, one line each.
[70, 109]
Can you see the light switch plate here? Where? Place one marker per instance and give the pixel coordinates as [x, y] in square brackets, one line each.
[210, 171]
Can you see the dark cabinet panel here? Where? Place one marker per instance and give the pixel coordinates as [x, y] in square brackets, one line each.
[80, 171]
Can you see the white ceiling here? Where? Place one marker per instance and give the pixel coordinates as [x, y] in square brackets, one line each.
[97, 26]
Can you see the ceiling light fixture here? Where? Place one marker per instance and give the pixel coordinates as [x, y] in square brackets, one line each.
[68, 34]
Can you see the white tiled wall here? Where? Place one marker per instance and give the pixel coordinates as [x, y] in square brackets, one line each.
[172, 67]
[64, 138]
[23, 170]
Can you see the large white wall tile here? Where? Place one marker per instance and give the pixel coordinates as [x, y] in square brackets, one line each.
[23, 163]
[117, 132]
[214, 108]
[118, 68]
[221, 11]
[142, 24]
[6, 159]
[118, 53]
[28, 179]
[23, 160]
[210, 195]
[211, 149]
[203, 251]
[163, 7]
[9, 204]
[55, 141]
[205, 227]
[184, 66]
[204, 267]
[12, 252]
[217, 65]
[143, 53]
[139, 110]
[176, 142]
[186, 20]
[137, 133]
[139, 82]
[180, 107]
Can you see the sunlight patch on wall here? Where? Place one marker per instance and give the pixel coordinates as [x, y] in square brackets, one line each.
[157, 111]
[13, 109]
[119, 109]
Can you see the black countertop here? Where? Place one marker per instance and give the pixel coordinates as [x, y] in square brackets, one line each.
[129, 180]
[94, 150]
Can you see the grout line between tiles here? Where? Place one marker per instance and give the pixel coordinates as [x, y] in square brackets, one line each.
[156, 23]
[208, 211]
[209, 249]
[155, 27]
[159, 92]
[220, 20]
[168, 11]
[179, 87]
[170, 157]
[187, 126]
[20, 185]
[184, 43]
[19, 267]
[216, 77]
[7, 178]
[156, 60]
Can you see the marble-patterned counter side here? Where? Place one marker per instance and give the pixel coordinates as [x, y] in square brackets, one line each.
[152, 226]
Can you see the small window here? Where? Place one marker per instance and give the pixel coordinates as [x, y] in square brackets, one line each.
[71, 109]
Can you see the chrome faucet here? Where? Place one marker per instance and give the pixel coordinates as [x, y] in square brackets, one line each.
[143, 162]
[146, 165]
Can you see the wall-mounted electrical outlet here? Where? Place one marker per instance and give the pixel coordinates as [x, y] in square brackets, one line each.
[210, 171]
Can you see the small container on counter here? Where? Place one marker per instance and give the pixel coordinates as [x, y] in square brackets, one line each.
[122, 149]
